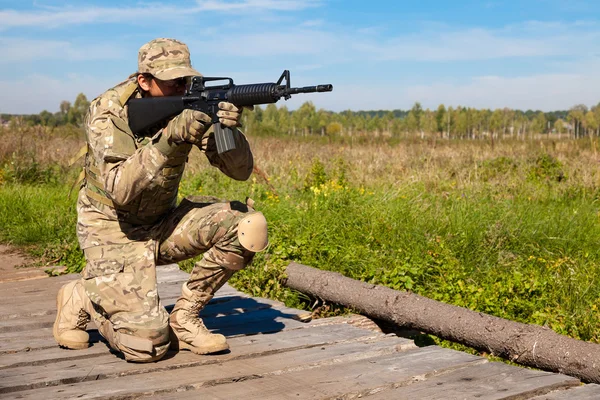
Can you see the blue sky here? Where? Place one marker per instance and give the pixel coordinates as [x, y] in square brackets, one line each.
[529, 54]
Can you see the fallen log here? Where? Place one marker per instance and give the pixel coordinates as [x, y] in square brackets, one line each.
[525, 344]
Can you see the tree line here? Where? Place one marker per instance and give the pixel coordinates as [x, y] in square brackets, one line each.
[445, 122]
[451, 122]
[68, 114]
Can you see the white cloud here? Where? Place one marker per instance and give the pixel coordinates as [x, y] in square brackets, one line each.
[472, 44]
[313, 23]
[276, 5]
[80, 16]
[299, 42]
[17, 50]
[51, 17]
[477, 44]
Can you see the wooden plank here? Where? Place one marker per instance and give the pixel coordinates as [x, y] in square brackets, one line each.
[340, 380]
[229, 315]
[265, 320]
[159, 383]
[48, 355]
[107, 368]
[492, 381]
[219, 307]
[33, 286]
[583, 392]
[41, 300]
[312, 330]
[222, 306]
[170, 273]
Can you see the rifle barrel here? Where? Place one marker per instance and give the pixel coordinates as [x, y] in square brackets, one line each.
[311, 89]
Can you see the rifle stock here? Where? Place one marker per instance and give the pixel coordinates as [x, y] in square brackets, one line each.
[147, 112]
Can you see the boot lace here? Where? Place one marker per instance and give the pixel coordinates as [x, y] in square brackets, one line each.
[83, 318]
[192, 315]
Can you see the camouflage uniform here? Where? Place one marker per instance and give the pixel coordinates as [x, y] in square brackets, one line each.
[129, 222]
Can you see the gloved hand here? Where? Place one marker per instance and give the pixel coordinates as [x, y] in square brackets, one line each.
[230, 115]
[189, 126]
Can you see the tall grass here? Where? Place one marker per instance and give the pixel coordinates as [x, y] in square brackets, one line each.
[509, 229]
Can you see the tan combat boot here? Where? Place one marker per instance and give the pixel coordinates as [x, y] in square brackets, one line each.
[187, 329]
[71, 317]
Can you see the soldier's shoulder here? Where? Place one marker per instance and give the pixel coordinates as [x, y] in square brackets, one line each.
[114, 93]
[113, 100]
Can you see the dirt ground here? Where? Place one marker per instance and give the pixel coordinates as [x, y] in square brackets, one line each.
[13, 266]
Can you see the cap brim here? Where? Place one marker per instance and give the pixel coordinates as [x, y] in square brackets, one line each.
[176, 72]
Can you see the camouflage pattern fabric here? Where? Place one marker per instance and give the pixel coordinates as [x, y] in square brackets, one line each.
[120, 278]
[165, 59]
[128, 219]
[197, 227]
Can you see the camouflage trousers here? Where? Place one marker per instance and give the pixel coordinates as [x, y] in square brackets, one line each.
[120, 279]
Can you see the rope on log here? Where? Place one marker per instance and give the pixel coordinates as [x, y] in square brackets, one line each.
[525, 344]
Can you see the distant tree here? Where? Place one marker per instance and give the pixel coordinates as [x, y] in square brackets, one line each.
[417, 112]
[65, 106]
[48, 119]
[412, 124]
[496, 121]
[334, 128]
[304, 116]
[284, 120]
[440, 119]
[76, 113]
[591, 123]
[576, 116]
[539, 123]
[460, 121]
[449, 121]
[429, 121]
[559, 126]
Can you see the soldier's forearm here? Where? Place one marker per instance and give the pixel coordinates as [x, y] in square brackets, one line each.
[237, 163]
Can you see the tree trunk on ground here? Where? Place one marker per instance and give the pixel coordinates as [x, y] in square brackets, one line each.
[525, 344]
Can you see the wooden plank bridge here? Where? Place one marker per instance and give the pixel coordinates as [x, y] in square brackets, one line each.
[275, 354]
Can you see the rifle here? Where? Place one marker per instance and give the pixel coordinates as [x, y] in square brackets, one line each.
[147, 112]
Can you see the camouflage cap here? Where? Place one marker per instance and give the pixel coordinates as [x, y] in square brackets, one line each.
[165, 59]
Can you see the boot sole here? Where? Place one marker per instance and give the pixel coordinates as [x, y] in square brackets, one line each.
[62, 342]
[202, 351]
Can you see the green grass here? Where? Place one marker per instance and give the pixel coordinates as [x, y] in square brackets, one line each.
[514, 235]
[41, 218]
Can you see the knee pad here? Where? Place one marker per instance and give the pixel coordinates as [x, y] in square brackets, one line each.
[252, 232]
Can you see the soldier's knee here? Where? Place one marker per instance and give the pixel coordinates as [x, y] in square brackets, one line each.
[252, 237]
[143, 345]
[252, 232]
[138, 343]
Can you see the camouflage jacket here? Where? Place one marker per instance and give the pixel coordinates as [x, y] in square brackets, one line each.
[130, 186]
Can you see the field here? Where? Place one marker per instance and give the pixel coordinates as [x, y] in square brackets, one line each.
[509, 227]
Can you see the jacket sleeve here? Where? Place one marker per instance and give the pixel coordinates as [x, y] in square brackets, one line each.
[237, 163]
[125, 169]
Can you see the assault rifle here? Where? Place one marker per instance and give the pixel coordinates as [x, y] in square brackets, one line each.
[147, 112]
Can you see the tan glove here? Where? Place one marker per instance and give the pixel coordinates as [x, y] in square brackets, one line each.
[230, 115]
[189, 126]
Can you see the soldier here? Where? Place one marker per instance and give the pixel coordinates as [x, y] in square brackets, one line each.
[128, 220]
